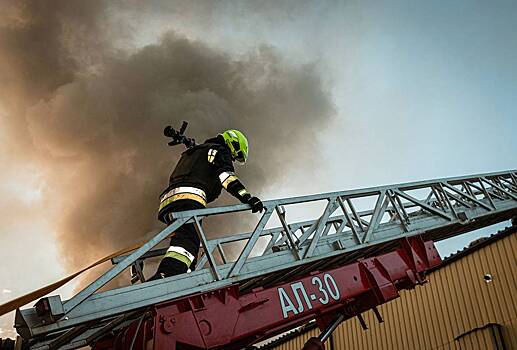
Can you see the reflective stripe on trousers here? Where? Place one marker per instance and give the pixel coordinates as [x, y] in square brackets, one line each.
[181, 254]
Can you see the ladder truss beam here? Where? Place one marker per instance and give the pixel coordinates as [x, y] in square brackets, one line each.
[435, 209]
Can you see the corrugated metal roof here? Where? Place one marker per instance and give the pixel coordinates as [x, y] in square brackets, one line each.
[476, 245]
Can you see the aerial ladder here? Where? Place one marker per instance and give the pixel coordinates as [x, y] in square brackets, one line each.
[364, 247]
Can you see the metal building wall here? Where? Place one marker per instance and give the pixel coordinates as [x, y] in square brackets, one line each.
[456, 310]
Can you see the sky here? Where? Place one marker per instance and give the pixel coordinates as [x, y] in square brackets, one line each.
[381, 92]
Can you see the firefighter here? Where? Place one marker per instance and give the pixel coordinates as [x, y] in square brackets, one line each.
[198, 179]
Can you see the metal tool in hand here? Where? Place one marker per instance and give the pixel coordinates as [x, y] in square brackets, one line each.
[178, 137]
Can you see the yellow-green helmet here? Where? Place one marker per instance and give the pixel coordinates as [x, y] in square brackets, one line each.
[237, 143]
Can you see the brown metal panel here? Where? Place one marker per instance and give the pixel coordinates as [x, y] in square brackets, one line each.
[470, 269]
[402, 313]
[457, 290]
[465, 295]
[407, 315]
[399, 315]
[418, 327]
[373, 329]
[366, 333]
[510, 249]
[443, 319]
[486, 337]
[503, 276]
[419, 324]
[504, 285]
[509, 331]
[453, 303]
[355, 333]
[427, 319]
[387, 327]
[349, 335]
[499, 287]
[412, 319]
[481, 296]
[432, 314]
[510, 327]
[491, 291]
[485, 298]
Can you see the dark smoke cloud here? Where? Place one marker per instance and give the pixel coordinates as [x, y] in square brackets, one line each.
[91, 115]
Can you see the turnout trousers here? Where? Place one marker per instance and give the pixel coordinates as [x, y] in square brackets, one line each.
[184, 244]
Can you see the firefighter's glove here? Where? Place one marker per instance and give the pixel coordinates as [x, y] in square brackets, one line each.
[256, 204]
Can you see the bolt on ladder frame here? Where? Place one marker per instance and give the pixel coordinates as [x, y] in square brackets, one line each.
[353, 224]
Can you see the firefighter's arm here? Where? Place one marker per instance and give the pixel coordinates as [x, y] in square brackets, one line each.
[233, 185]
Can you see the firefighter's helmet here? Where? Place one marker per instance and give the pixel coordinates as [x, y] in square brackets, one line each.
[237, 143]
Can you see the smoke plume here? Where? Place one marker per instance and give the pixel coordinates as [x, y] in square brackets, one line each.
[89, 115]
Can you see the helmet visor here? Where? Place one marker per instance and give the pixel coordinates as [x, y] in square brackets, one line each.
[240, 157]
[238, 154]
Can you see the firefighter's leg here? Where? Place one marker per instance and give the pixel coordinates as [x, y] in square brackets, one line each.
[184, 245]
[182, 253]
[183, 250]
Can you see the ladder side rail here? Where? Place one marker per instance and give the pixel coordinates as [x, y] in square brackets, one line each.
[348, 193]
[227, 239]
[117, 269]
[307, 233]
